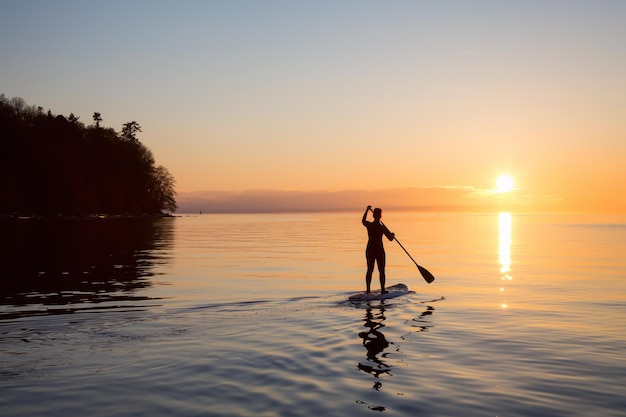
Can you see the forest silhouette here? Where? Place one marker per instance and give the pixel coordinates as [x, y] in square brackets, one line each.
[52, 165]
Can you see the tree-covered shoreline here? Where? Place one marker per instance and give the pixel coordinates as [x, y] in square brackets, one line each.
[56, 166]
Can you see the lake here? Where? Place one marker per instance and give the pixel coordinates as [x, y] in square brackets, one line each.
[247, 315]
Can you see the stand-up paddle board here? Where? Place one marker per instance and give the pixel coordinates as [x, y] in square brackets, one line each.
[392, 292]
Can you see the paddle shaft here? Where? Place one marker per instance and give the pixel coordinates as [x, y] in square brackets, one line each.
[405, 251]
[428, 277]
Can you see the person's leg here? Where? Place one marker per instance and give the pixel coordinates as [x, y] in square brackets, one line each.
[370, 270]
[380, 260]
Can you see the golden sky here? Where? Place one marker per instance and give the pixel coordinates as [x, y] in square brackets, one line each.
[349, 103]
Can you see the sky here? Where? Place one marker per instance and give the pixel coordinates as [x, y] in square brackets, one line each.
[295, 105]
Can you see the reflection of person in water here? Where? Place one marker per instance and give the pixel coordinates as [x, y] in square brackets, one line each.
[375, 343]
[375, 252]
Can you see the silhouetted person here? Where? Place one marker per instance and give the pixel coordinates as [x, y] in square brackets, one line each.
[375, 252]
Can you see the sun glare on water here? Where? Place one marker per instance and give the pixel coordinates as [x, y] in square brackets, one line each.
[504, 183]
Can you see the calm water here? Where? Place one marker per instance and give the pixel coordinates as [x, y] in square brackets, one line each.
[246, 315]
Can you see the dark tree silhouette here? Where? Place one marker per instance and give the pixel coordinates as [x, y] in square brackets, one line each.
[97, 118]
[129, 131]
[50, 165]
[71, 118]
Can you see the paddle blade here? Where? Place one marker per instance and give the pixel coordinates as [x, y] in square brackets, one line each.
[426, 274]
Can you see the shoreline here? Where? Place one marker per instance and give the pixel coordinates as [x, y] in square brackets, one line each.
[85, 217]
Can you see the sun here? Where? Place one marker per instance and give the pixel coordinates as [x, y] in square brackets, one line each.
[504, 184]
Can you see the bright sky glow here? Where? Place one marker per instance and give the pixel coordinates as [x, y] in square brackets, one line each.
[352, 95]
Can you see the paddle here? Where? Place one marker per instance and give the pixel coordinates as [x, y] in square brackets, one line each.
[428, 277]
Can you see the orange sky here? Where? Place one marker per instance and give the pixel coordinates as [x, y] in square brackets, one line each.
[335, 101]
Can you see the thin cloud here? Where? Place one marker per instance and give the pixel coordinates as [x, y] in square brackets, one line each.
[425, 198]
[440, 198]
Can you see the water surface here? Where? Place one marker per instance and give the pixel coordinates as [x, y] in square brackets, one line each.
[246, 315]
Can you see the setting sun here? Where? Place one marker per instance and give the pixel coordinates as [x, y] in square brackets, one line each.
[504, 183]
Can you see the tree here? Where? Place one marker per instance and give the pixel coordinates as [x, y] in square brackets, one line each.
[52, 165]
[18, 103]
[72, 118]
[97, 118]
[162, 190]
[129, 130]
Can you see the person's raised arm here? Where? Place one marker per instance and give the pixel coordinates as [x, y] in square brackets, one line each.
[364, 220]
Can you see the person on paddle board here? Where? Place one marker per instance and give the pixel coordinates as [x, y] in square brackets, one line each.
[375, 252]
